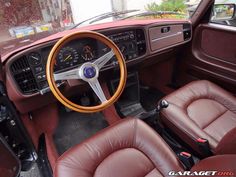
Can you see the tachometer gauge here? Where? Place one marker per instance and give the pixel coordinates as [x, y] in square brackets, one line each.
[87, 53]
[67, 57]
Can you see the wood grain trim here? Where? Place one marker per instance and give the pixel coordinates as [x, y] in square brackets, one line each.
[52, 58]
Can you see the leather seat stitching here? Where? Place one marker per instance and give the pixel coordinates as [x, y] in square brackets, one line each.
[214, 118]
[208, 88]
[151, 160]
[203, 129]
[197, 98]
[175, 105]
[209, 125]
[193, 137]
[120, 150]
[217, 117]
[192, 120]
[150, 171]
[68, 165]
[179, 127]
[134, 142]
[211, 137]
[207, 96]
[135, 132]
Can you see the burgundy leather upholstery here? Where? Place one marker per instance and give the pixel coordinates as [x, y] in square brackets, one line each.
[127, 149]
[201, 109]
[220, 163]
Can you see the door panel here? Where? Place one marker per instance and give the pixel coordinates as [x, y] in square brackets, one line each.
[219, 44]
[214, 53]
[9, 164]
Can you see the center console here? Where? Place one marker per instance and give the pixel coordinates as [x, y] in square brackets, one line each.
[129, 102]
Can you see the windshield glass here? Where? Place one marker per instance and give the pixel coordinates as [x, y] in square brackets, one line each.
[24, 21]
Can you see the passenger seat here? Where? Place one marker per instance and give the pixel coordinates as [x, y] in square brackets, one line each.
[202, 112]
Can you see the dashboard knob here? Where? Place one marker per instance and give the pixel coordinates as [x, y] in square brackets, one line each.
[131, 36]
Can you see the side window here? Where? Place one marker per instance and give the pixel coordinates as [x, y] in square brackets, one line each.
[224, 12]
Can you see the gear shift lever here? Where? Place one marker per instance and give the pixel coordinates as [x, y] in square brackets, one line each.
[163, 104]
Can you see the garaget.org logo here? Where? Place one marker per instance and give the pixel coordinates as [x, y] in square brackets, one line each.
[201, 173]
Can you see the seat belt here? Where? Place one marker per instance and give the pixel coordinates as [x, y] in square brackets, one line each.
[204, 147]
[187, 159]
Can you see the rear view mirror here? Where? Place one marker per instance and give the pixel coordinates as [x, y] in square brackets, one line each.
[222, 12]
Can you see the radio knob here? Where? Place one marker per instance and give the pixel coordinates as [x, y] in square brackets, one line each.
[131, 36]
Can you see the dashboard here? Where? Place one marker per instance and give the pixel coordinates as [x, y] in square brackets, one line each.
[27, 70]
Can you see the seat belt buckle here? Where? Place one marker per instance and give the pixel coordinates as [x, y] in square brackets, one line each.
[187, 159]
[204, 147]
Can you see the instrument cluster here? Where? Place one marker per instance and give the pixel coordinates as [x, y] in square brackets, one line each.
[131, 43]
[78, 52]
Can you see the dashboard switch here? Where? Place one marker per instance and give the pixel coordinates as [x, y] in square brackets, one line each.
[38, 69]
[187, 35]
[40, 77]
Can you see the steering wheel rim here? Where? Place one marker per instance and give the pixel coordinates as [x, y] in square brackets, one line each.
[50, 71]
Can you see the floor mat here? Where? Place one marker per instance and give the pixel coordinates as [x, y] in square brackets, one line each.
[75, 127]
[149, 97]
[33, 172]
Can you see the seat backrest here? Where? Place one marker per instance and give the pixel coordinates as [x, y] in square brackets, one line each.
[129, 148]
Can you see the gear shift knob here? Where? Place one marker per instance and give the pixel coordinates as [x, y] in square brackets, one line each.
[163, 104]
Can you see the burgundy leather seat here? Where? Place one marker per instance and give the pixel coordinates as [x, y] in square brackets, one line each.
[202, 109]
[129, 148]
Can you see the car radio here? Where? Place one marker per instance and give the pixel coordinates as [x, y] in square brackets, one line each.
[131, 43]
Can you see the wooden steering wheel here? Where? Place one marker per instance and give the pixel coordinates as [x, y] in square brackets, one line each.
[88, 72]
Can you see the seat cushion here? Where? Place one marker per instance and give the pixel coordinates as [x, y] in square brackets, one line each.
[129, 148]
[201, 109]
[223, 164]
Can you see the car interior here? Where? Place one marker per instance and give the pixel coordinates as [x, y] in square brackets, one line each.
[126, 98]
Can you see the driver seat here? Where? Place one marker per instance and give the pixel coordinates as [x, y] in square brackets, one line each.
[130, 148]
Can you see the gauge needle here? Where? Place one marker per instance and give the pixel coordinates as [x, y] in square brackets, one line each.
[67, 58]
[34, 57]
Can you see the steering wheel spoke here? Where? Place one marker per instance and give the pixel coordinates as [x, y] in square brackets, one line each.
[100, 62]
[95, 85]
[87, 71]
[67, 75]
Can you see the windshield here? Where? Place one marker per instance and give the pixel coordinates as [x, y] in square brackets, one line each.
[24, 21]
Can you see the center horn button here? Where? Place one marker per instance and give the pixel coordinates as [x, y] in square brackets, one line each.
[89, 72]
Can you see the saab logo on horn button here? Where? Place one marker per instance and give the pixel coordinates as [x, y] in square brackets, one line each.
[89, 72]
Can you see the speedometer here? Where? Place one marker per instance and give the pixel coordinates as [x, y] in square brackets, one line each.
[67, 57]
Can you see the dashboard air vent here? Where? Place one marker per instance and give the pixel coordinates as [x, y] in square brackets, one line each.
[23, 76]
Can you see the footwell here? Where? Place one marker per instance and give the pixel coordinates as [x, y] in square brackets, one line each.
[75, 127]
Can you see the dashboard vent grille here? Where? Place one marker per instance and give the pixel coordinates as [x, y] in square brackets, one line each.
[23, 76]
